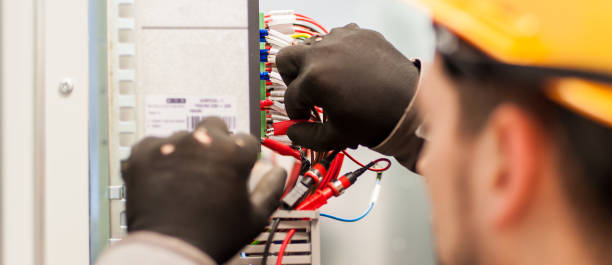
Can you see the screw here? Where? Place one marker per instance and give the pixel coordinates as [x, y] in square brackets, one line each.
[66, 87]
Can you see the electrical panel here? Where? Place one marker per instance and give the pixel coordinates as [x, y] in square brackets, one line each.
[170, 65]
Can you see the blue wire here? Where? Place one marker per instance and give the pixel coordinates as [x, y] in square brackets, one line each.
[355, 219]
[244, 256]
[350, 220]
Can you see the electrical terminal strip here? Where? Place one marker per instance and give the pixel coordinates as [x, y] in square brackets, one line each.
[279, 29]
[304, 247]
[315, 177]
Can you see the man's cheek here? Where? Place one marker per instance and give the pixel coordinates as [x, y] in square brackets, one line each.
[441, 173]
[444, 229]
[440, 193]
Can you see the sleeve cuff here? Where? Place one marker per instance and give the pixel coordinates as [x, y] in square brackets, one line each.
[170, 244]
[403, 143]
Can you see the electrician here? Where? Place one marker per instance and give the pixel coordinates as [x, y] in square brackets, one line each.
[516, 111]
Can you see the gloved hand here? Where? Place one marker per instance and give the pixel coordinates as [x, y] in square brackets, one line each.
[361, 81]
[193, 186]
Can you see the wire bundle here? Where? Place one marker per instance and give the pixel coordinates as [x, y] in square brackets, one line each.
[282, 29]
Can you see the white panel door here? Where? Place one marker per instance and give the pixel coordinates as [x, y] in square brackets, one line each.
[17, 133]
[66, 207]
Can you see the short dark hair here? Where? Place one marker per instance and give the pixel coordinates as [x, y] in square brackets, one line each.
[586, 146]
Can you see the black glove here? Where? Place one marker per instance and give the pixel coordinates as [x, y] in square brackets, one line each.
[193, 186]
[361, 81]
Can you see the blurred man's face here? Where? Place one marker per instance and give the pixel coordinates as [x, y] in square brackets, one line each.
[445, 163]
[495, 185]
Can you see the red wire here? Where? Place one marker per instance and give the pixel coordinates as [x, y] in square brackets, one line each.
[304, 16]
[281, 252]
[304, 31]
[339, 166]
[297, 14]
[333, 171]
[375, 161]
[330, 173]
[300, 27]
[293, 177]
[311, 21]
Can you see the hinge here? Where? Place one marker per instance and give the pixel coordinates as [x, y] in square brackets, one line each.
[112, 241]
[116, 192]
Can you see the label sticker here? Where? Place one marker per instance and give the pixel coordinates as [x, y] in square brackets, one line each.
[165, 115]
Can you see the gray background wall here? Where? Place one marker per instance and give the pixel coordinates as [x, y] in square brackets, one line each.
[398, 229]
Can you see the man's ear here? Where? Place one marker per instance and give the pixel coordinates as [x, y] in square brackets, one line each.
[520, 144]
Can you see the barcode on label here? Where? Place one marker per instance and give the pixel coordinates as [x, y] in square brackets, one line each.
[192, 121]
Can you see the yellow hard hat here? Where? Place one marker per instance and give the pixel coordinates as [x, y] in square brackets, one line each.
[559, 34]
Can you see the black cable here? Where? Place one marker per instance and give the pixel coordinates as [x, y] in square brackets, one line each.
[266, 251]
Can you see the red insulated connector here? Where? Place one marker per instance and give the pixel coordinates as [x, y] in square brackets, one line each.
[281, 149]
[268, 69]
[339, 185]
[321, 196]
[268, 83]
[264, 104]
[334, 188]
[334, 170]
[281, 127]
[317, 172]
[316, 200]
